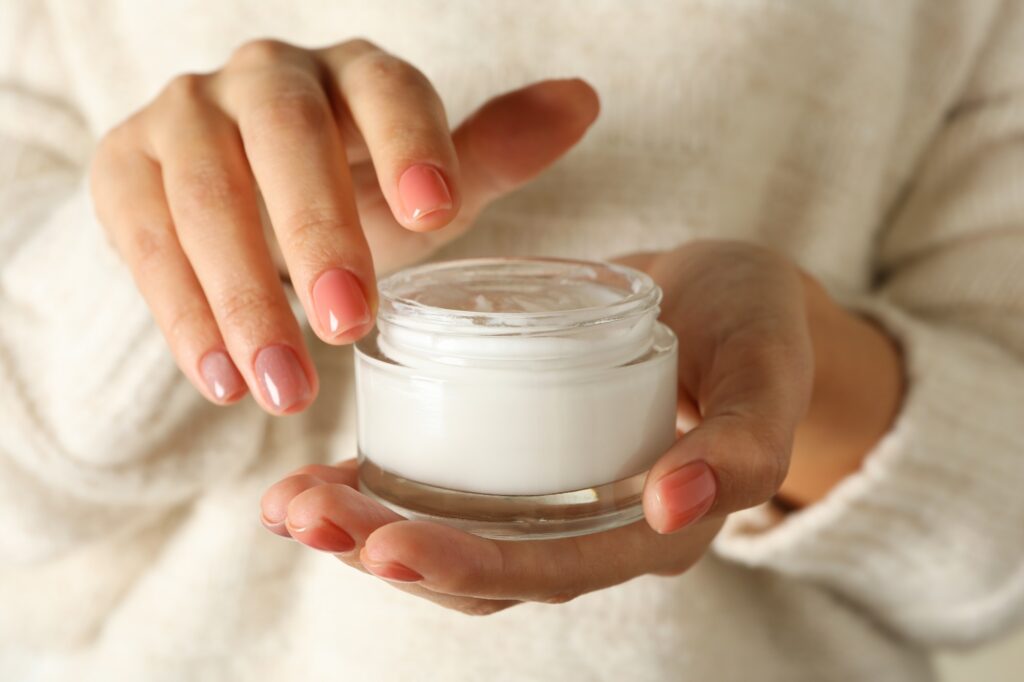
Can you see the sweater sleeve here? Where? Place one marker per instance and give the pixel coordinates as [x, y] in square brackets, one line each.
[928, 536]
[89, 395]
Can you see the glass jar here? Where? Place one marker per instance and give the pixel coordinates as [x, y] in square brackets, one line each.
[515, 398]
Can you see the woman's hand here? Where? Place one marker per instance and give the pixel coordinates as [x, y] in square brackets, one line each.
[748, 322]
[349, 150]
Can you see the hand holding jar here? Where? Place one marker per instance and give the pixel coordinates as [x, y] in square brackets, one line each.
[768, 367]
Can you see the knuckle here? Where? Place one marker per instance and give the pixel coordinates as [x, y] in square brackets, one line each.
[245, 308]
[185, 321]
[105, 167]
[206, 184]
[316, 236]
[259, 53]
[185, 87]
[311, 227]
[413, 140]
[386, 70]
[145, 247]
[296, 106]
[360, 45]
[119, 138]
[772, 465]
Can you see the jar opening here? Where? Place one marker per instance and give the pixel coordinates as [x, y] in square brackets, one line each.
[503, 312]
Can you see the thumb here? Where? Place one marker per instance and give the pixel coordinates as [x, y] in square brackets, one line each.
[723, 465]
[515, 136]
[738, 455]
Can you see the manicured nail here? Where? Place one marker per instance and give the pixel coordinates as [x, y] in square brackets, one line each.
[276, 527]
[390, 570]
[339, 302]
[685, 495]
[281, 377]
[220, 376]
[326, 536]
[423, 191]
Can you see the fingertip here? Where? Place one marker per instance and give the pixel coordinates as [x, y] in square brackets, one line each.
[222, 382]
[225, 401]
[343, 305]
[286, 378]
[275, 501]
[586, 99]
[339, 504]
[427, 199]
[349, 336]
[404, 542]
[324, 535]
[681, 497]
[447, 557]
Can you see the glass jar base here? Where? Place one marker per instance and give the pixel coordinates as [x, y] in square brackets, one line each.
[508, 517]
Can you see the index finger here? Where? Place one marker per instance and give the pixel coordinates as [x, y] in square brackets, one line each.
[402, 120]
[298, 158]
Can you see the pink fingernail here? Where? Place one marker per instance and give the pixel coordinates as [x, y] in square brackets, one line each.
[423, 191]
[281, 377]
[394, 571]
[339, 302]
[326, 536]
[220, 376]
[685, 495]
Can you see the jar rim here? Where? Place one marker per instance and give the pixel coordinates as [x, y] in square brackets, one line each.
[400, 305]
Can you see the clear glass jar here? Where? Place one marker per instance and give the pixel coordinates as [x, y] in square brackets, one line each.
[515, 398]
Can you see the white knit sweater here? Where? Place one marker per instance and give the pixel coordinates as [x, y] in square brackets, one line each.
[879, 143]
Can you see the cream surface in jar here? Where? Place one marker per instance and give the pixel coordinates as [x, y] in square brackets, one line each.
[515, 397]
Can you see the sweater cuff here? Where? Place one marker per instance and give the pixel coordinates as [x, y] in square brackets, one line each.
[927, 534]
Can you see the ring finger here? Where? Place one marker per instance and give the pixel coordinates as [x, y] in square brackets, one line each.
[212, 201]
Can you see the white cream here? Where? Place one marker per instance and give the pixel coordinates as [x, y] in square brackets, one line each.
[517, 377]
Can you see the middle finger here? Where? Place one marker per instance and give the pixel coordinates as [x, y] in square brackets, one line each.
[298, 159]
[213, 204]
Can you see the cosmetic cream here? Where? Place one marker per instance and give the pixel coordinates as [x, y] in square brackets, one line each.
[515, 398]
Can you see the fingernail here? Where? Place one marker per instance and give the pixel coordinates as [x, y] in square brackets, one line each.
[326, 536]
[685, 495]
[275, 527]
[220, 376]
[390, 570]
[423, 191]
[281, 377]
[339, 302]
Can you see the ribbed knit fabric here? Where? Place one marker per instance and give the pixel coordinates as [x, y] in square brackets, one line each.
[879, 144]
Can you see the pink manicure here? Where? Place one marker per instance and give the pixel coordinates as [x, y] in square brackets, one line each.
[686, 495]
[326, 536]
[423, 191]
[281, 377]
[339, 302]
[394, 571]
[220, 375]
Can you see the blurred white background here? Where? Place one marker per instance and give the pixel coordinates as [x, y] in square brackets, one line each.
[999, 662]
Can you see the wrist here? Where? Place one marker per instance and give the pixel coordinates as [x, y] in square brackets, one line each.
[856, 395]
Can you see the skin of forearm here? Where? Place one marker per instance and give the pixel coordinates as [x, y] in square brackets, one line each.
[857, 393]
